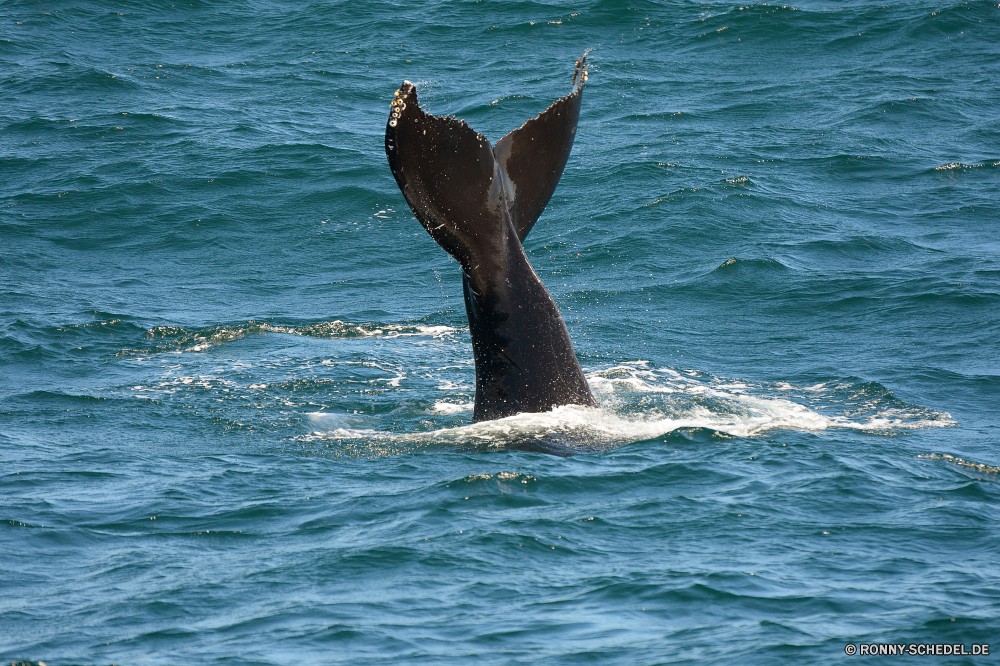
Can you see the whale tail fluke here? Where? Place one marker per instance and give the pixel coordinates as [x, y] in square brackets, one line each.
[479, 202]
[451, 176]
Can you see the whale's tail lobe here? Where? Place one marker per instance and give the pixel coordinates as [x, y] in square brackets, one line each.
[447, 174]
[479, 203]
[533, 156]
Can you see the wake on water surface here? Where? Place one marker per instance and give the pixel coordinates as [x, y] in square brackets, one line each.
[374, 389]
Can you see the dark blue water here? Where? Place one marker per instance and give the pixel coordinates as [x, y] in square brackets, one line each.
[236, 380]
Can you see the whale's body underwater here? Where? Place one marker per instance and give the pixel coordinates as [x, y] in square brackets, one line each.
[479, 203]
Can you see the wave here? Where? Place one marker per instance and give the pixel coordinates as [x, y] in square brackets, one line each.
[733, 266]
[959, 165]
[29, 341]
[177, 339]
[638, 403]
[964, 464]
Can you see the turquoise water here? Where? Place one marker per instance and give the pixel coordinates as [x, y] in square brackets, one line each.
[236, 381]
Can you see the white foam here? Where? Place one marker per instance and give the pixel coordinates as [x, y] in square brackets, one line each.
[391, 381]
[442, 407]
[341, 426]
[338, 328]
[887, 423]
[676, 401]
[333, 329]
[972, 466]
[448, 385]
[587, 423]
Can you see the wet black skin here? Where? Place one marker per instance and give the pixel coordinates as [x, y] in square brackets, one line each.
[479, 203]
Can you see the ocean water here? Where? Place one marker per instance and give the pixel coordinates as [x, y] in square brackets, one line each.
[236, 379]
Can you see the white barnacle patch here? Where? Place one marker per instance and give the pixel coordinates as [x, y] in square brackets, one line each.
[392, 123]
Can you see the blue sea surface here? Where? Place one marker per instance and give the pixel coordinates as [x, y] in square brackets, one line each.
[236, 379]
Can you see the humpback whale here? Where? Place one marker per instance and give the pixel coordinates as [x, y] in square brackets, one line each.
[479, 202]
